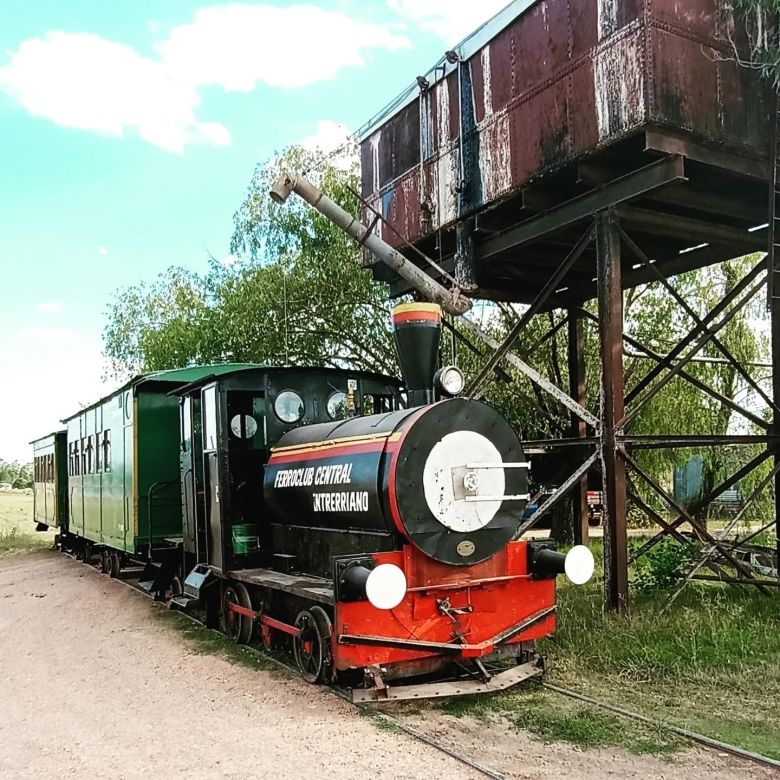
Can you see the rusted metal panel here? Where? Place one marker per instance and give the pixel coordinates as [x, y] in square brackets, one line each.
[549, 82]
[584, 120]
[499, 58]
[584, 29]
[685, 85]
[540, 45]
[746, 102]
[696, 18]
[539, 133]
[619, 83]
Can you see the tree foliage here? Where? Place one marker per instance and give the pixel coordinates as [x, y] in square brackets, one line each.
[293, 295]
[759, 47]
[18, 475]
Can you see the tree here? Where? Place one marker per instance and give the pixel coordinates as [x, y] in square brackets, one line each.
[294, 295]
[16, 474]
[165, 324]
[760, 48]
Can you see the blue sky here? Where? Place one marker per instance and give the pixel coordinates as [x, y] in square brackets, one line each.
[129, 131]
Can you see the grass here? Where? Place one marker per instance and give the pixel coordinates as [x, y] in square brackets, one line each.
[554, 718]
[710, 664]
[17, 530]
[206, 641]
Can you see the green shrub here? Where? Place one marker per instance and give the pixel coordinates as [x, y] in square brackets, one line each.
[664, 565]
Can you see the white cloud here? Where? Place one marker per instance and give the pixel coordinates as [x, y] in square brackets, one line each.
[52, 307]
[84, 81]
[228, 261]
[451, 20]
[328, 137]
[237, 46]
[332, 137]
[102, 251]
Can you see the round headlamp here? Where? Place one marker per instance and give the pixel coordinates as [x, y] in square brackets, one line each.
[386, 586]
[449, 380]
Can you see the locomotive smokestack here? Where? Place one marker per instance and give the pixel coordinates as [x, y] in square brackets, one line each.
[417, 329]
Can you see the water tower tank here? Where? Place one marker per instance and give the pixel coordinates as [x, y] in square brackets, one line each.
[554, 99]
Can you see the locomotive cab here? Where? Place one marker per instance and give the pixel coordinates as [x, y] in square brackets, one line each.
[229, 423]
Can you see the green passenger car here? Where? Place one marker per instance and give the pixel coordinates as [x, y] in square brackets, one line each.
[50, 481]
[123, 483]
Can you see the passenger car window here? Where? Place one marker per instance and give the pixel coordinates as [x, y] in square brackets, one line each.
[107, 450]
[210, 418]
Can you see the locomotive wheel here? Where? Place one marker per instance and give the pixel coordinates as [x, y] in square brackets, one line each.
[237, 627]
[105, 563]
[245, 601]
[309, 648]
[231, 622]
[326, 632]
[115, 565]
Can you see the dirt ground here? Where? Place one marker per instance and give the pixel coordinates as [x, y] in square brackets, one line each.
[92, 684]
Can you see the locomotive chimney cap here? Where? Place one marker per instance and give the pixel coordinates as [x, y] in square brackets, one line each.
[416, 312]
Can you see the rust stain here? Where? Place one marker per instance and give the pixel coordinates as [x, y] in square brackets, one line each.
[619, 85]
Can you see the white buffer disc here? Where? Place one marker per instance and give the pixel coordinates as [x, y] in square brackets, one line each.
[579, 564]
[386, 586]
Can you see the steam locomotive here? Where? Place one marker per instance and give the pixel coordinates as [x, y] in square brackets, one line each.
[370, 532]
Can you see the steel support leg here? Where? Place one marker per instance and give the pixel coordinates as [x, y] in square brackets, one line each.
[774, 307]
[578, 426]
[613, 467]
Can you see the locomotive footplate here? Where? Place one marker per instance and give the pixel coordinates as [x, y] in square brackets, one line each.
[315, 589]
[381, 692]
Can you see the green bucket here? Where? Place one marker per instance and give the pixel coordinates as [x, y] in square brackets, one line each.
[245, 538]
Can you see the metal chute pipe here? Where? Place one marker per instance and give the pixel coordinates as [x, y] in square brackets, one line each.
[452, 301]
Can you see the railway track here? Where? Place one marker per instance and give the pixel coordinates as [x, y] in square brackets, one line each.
[709, 742]
[443, 747]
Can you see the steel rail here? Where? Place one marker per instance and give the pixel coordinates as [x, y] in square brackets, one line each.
[420, 736]
[692, 735]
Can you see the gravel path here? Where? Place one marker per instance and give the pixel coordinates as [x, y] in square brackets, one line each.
[92, 685]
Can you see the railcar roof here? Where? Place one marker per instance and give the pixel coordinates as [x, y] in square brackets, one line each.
[47, 436]
[175, 376]
[384, 378]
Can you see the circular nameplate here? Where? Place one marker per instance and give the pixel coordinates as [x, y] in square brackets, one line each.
[466, 548]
